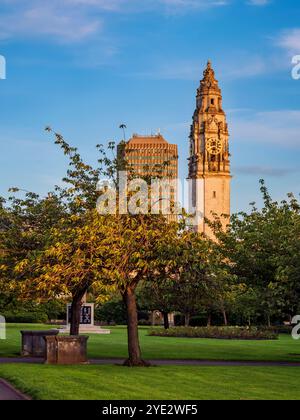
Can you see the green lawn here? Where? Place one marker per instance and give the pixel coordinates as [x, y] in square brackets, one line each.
[115, 345]
[164, 382]
[167, 382]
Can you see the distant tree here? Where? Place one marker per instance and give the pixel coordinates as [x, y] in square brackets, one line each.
[158, 296]
[195, 280]
[262, 249]
[123, 128]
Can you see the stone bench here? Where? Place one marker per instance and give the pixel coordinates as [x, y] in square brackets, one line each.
[33, 342]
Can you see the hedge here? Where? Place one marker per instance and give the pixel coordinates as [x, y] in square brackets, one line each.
[228, 333]
[25, 317]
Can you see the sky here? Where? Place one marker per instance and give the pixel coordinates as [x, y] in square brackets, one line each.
[84, 67]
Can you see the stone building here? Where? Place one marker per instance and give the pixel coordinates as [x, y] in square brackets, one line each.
[209, 165]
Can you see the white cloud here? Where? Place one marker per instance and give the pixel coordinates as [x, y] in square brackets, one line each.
[74, 20]
[290, 40]
[245, 67]
[138, 5]
[258, 2]
[49, 20]
[193, 3]
[239, 65]
[174, 70]
[280, 128]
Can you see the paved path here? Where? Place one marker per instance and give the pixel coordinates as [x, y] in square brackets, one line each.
[8, 392]
[165, 362]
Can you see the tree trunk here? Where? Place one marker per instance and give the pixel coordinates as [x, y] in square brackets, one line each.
[166, 320]
[225, 317]
[134, 351]
[268, 320]
[187, 320]
[209, 320]
[152, 318]
[75, 312]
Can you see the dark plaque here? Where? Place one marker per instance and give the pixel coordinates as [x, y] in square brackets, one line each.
[85, 315]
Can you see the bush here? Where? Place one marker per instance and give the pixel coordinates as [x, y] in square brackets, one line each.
[228, 333]
[19, 317]
[111, 312]
[143, 316]
[144, 322]
[281, 329]
[54, 309]
[198, 321]
[178, 320]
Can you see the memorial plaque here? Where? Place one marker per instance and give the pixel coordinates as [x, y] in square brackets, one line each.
[86, 314]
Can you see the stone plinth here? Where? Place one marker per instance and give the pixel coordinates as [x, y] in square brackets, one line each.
[33, 342]
[66, 350]
[86, 329]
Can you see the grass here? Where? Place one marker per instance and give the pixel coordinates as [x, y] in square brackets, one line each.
[115, 345]
[165, 382]
[111, 382]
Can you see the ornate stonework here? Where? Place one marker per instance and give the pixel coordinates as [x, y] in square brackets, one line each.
[209, 153]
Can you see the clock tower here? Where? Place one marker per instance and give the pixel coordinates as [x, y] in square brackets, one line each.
[209, 165]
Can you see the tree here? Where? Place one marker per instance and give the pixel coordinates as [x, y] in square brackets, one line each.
[260, 248]
[131, 241]
[184, 266]
[194, 282]
[158, 296]
[123, 128]
[72, 262]
[25, 225]
[135, 243]
[84, 249]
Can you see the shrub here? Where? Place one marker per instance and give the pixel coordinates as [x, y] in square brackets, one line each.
[178, 320]
[19, 317]
[144, 322]
[54, 309]
[111, 312]
[143, 315]
[198, 321]
[281, 329]
[231, 333]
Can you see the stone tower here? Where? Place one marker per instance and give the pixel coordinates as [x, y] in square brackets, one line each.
[209, 165]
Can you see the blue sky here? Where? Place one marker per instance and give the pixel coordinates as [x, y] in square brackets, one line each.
[85, 66]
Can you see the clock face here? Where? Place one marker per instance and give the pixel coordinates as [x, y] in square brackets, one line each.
[214, 146]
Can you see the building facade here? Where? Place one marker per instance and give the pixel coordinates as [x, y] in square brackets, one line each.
[209, 161]
[153, 157]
